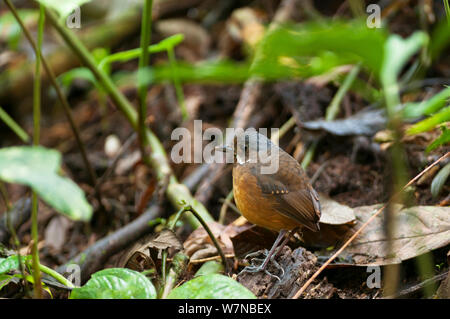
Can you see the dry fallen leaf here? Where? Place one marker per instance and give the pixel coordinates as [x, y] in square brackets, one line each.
[334, 213]
[56, 232]
[164, 239]
[138, 256]
[199, 245]
[418, 230]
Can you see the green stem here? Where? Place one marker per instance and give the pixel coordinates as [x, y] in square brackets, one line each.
[146, 30]
[9, 121]
[36, 137]
[333, 108]
[60, 278]
[172, 224]
[211, 235]
[176, 192]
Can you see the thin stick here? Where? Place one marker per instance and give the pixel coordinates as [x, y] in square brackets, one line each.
[303, 288]
[211, 235]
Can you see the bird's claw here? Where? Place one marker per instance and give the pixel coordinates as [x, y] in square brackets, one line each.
[254, 268]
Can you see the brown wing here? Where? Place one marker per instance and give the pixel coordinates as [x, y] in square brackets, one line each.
[294, 196]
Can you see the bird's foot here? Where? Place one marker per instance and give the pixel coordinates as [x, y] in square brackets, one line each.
[260, 265]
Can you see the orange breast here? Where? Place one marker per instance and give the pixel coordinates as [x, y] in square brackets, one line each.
[253, 205]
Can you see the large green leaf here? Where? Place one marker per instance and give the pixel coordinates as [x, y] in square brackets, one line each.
[63, 7]
[37, 168]
[116, 283]
[211, 287]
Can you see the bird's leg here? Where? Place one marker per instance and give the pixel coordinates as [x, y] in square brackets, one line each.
[270, 256]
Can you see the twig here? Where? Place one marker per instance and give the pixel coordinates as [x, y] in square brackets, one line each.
[421, 285]
[211, 235]
[303, 288]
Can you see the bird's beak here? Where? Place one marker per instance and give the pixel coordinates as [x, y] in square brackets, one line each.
[224, 148]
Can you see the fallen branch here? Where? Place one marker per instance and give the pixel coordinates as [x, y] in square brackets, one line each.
[95, 256]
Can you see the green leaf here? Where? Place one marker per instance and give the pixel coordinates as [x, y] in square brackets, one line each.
[11, 263]
[125, 56]
[397, 52]
[63, 7]
[439, 180]
[441, 140]
[211, 287]
[429, 106]
[77, 73]
[291, 51]
[5, 279]
[37, 168]
[431, 122]
[116, 283]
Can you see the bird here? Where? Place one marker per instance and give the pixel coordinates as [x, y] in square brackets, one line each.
[282, 199]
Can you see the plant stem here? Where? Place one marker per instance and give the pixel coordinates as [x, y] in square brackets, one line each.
[9, 121]
[164, 253]
[146, 31]
[176, 192]
[333, 108]
[211, 235]
[60, 278]
[59, 92]
[36, 137]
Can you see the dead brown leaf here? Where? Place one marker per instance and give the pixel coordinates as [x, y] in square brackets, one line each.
[199, 245]
[418, 230]
[56, 232]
